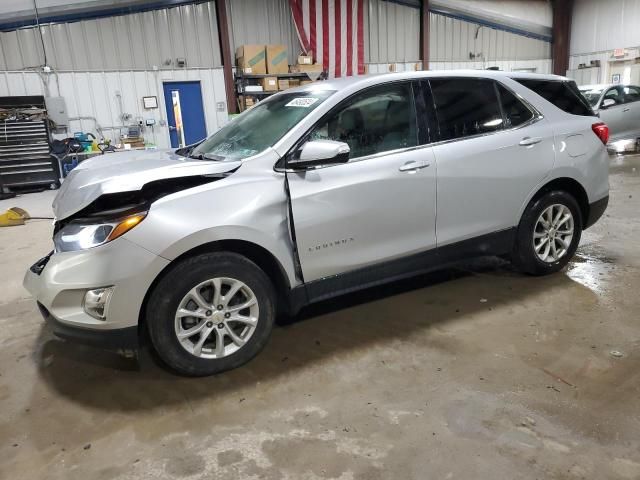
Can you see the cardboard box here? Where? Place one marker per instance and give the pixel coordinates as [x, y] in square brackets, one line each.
[269, 84]
[294, 82]
[251, 59]
[246, 102]
[283, 84]
[314, 67]
[277, 59]
[305, 60]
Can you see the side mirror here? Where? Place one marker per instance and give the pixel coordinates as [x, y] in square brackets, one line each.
[607, 102]
[317, 153]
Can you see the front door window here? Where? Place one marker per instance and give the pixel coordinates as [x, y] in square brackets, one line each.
[377, 120]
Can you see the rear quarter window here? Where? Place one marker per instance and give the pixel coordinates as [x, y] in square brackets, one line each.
[563, 94]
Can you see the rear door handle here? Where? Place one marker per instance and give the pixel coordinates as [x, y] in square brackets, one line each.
[412, 166]
[626, 109]
[528, 141]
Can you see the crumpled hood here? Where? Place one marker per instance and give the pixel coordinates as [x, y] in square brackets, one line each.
[125, 172]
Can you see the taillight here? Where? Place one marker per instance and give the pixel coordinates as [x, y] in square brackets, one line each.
[602, 131]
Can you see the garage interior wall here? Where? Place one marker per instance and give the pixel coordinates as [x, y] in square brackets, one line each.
[103, 67]
[262, 22]
[393, 36]
[597, 29]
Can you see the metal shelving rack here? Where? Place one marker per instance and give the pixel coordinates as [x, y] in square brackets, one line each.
[242, 80]
[25, 159]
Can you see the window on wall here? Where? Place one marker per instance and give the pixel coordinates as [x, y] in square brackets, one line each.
[515, 112]
[377, 120]
[465, 107]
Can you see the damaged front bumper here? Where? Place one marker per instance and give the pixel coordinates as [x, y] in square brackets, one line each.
[59, 283]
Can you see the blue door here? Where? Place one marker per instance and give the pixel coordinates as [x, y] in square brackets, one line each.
[185, 113]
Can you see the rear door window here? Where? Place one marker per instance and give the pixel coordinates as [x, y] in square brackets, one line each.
[465, 107]
[563, 94]
[631, 94]
[515, 112]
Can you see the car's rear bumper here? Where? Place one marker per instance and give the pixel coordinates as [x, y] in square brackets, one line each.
[596, 210]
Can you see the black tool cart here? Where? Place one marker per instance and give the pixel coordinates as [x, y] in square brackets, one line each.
[25, 160]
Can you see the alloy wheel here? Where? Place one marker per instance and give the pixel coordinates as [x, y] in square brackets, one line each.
[553, 233]
[216, 318]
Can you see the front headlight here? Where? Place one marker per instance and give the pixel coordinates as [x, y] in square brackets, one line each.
[83, 234]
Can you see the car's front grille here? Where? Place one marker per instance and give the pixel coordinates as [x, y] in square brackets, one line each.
[38, 267]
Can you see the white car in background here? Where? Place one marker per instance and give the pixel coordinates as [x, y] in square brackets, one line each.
[619, 107]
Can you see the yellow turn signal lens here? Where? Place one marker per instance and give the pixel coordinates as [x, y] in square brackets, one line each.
[125, 225]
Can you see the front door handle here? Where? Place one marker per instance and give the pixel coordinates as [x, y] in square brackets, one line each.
[626, 109]
[412, 166]
[529, 141]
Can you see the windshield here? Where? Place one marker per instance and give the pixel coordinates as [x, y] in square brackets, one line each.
[260, 127]
[592, 96]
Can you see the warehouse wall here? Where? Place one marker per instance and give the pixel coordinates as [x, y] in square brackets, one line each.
[133, 54]
[597, 29]
[262, 22]
[599, 26]
[392, 32]
[130, 54]
[393, 36]
[136, 41]
[95, 95]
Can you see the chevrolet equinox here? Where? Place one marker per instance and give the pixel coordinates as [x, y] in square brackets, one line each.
[315, 192]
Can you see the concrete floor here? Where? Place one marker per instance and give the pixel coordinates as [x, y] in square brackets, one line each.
[475, 372]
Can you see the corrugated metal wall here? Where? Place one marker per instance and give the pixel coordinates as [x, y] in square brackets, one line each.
[94, 94]
[453, 40]
[392, 33]
[263, 22]
[133, 54]
[598, 25]
[157, 38]
[138, 41]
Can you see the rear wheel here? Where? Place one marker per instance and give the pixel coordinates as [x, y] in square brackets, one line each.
[548, 234]
[211, 313]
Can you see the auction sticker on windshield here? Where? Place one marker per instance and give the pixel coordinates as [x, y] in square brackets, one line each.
[304, 102]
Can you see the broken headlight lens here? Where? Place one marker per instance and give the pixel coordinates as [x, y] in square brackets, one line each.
[80, 235]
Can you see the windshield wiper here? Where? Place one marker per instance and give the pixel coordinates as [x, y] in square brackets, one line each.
[207, 156]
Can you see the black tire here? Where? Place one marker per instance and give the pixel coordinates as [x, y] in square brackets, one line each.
[524, 256]
[172, 288]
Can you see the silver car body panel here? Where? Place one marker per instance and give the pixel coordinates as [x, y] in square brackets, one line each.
[623, 120]
[346, 216]
[124, 172]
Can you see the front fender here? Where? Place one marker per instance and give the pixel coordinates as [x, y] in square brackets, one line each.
[250, 207]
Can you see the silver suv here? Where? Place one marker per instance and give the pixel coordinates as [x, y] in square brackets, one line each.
[619, 107]
[316, 192]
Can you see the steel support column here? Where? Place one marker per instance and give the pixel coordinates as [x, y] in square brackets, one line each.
[227, 55]
[562, 13]
[424, 34]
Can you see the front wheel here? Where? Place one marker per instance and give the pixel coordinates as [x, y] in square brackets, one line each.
[548, 234]
[211, 313]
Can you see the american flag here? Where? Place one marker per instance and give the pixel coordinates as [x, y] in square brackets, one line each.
[333, 32]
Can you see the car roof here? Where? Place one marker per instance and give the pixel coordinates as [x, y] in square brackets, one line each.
[341, 83]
